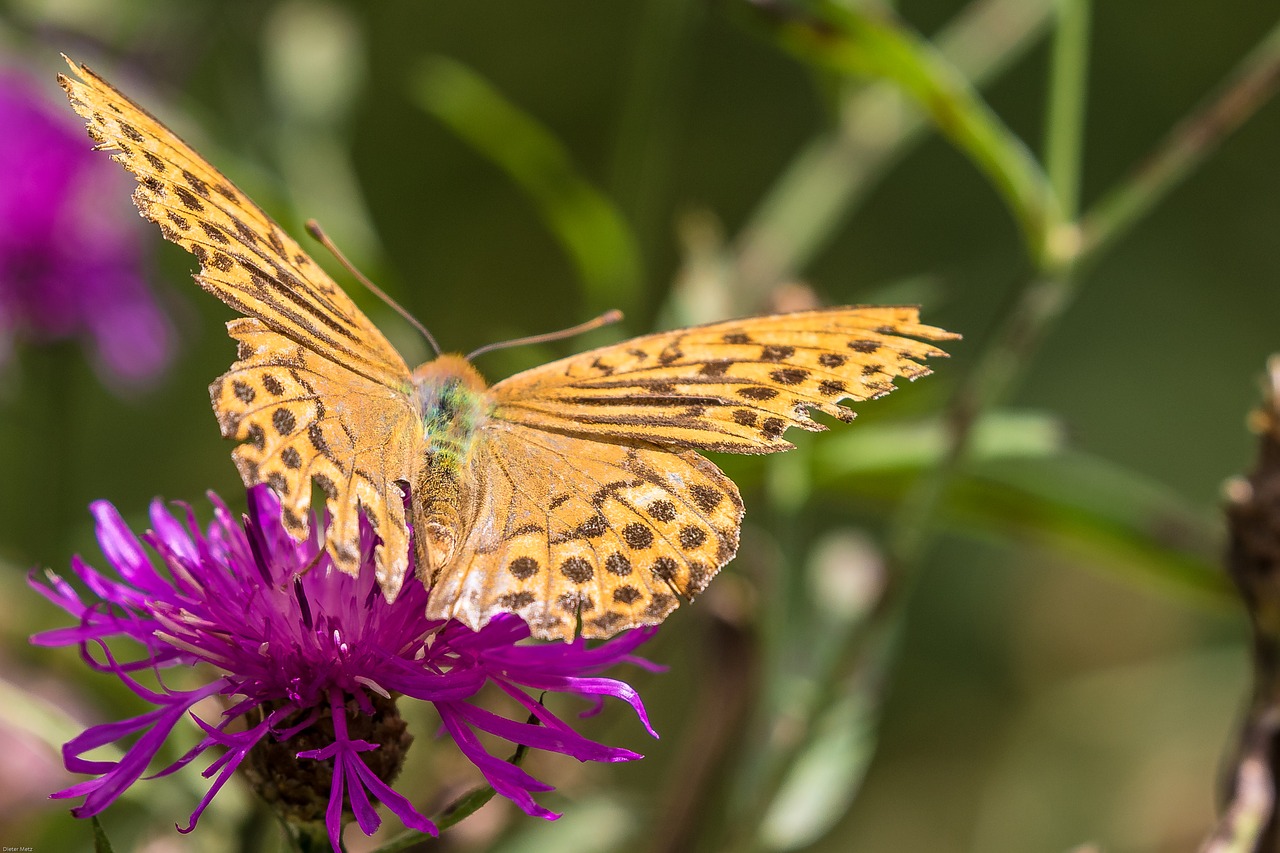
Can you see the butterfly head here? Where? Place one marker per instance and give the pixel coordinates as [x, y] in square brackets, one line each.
[449, 393]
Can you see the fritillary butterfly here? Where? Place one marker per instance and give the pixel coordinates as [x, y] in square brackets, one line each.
[571, 494]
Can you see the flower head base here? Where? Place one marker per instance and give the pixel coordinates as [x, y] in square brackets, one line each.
[70, 260]
[310, 660]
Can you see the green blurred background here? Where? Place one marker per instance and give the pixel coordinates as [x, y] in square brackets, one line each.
[1064, 667]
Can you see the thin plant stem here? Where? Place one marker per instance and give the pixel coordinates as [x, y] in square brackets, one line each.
[1007, 353]
[875, 127]
[1253, 81]
[1068, 87]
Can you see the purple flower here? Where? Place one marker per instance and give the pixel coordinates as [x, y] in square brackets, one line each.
[310, 660]
[70, 261]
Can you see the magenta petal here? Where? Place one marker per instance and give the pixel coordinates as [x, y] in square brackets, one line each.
[397, 803]
[366, 818]
[231, 596]
[124, 773]
[560, 739]
[333, 813]
[505, 778]
[123, 550]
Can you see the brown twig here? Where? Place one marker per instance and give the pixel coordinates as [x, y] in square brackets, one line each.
[1253, 513]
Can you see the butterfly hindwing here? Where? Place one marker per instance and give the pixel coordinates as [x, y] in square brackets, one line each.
[733, 387]
[305, 419]
[571, 529]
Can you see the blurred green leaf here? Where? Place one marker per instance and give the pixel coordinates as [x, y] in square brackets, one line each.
[581, 217]
[890, 445]
[834, 37]
[598, 824]
[825, 775]
[1081, 504]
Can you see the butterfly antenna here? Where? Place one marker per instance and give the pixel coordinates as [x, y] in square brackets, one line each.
[313, 228]
[608, 318]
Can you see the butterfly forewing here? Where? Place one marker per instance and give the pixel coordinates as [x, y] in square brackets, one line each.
[735, 386]
[318, 391]
[572, 530]
[246, 259]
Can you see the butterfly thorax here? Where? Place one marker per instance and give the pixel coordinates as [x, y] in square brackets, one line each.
[451, 401]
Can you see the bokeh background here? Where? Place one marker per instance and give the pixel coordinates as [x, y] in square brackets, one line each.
[1059, 661]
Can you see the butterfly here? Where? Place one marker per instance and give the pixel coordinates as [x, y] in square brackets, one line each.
[571, 494]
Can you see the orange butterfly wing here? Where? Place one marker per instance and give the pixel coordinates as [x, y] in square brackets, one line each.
[594, 509]
[573, 529]
[317, 390]
[734, 386]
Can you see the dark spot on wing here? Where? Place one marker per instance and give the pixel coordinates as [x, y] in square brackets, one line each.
[665, 568]
[626, 594]
[706, 497]
[284, 421]
[691, 537]
[716, 368]
[523, 567]
[789, 376]
[659, 605]
[131, 131]
[516, 600]
[662, 510]
[243, 390]
[617, 564]
[316, 434]
[777, 352]
[189, 201]
[201, 188]
[326, 485]
[637, 536]
[256, 437]
[772, 428]
[593, 527]
[577, 569]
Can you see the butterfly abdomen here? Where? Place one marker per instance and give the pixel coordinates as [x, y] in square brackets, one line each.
[452, 404]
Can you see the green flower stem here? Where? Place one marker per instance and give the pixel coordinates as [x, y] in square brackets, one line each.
[1250, 85]
[875, 128]
[858, 45]
[1000, 364]
[1068, 78]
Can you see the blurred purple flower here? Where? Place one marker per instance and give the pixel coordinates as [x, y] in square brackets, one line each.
[309, 660]
[70, 263]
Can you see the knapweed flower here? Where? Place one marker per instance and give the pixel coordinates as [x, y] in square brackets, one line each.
[70, 256]
[309, 663]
